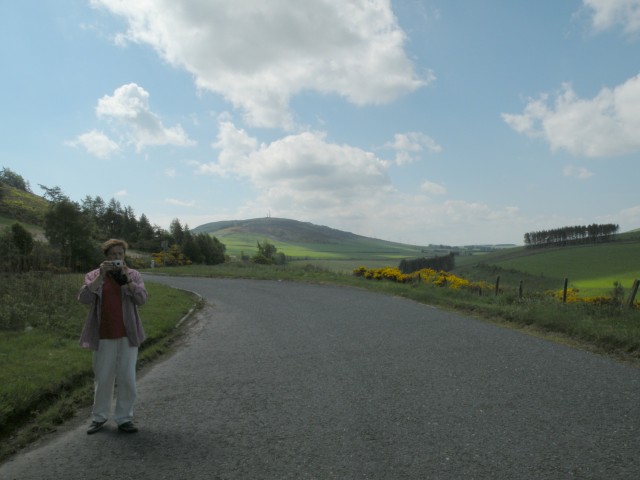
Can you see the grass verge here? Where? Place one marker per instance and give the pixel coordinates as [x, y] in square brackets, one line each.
[45, 376]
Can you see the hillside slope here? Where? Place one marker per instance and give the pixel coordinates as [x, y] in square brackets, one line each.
[590, 268]
[278, 229]
[22, 206]
[304, 240]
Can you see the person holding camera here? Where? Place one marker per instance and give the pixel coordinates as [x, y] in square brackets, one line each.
[113, 330]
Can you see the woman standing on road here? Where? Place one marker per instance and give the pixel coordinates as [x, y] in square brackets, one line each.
[113, 330]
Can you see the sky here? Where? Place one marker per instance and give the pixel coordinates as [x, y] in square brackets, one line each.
[452, 122]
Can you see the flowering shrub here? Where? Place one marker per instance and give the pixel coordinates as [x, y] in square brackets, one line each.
[426, 275]
[599, 301]
[447, 280]
[170, 258]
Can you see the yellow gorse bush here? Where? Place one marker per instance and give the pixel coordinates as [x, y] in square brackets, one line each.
[573, 296]
[426, 275]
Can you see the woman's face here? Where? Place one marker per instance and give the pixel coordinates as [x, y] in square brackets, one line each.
[115, 253]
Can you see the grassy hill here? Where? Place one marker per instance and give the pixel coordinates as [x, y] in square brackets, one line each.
[592, 269]
[304, 241]
[24, 207]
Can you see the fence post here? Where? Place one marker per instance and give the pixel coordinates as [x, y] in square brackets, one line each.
[497, 285]
[564, 294]
[632, 295]
[520, 290]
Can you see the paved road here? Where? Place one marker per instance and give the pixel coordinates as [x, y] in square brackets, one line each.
[283, 380]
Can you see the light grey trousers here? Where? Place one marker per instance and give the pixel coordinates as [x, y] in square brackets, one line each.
[114, 364]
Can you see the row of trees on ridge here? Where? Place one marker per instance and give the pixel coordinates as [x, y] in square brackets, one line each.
[571, 235]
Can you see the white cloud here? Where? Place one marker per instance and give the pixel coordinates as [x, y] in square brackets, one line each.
[606, 125]
[628, 218]
[170, 173]
[306, 177]
[433, 188]
[577, 172]
[96, 143]
[609, 13]
[259, 55]
[129, 106]
[180, 203]
[409, 146]
[121, 193]
[303, 169]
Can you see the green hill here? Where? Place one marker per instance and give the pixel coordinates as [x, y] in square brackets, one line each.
[592, 269]
[307, 241]
[22, 206]
[323, 246]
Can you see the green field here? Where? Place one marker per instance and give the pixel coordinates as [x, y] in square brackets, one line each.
[350, 249]
[592, 269]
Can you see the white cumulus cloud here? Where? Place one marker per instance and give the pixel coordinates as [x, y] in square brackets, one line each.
[302, 170]
[258, 54]
[409, 146]
[129, 106]
[96, 143]
[307, 177]
[433, 188]
[610, 13]
[606, 125]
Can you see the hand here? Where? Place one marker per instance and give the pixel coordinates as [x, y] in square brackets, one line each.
[105, 267]
[125, 272]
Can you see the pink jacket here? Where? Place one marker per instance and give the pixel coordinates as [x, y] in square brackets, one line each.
[90, 337]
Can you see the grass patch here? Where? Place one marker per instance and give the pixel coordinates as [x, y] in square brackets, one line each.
[303, 250]
[592, 269]
[45, 375]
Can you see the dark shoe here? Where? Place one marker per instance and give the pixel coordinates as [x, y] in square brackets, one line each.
[128, 427]
[95, 426]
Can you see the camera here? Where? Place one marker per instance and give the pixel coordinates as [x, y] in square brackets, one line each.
[117, 263]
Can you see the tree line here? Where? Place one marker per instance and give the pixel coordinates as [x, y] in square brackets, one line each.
[75, 229]
[578, 234]
[439, 263]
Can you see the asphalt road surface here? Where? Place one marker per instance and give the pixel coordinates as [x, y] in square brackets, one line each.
[283, 380]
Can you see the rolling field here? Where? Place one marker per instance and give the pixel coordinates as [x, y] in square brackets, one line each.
[356, 249]
[592, 269]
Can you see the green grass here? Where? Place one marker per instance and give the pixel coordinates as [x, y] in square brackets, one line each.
[590, 268]
[349, 249]
[45, 375]
[23, 206]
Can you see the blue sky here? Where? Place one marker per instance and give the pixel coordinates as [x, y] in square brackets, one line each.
[420, 121]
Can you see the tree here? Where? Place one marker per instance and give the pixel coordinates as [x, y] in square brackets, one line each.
[191, 248]
[177, 232]
[54, 194]
[14, 180]
[266, 253]
[67, 229]
[16, 243]
[22, 239]
[114, 219]
[211, 248]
